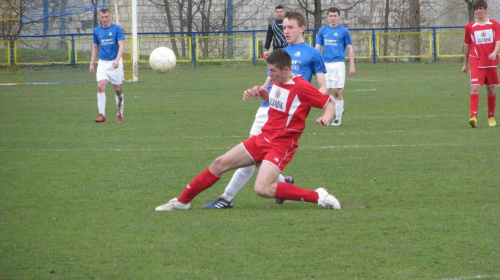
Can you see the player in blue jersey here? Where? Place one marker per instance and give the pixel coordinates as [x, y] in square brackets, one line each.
[306, 61]
[334, 39]
[108, 42]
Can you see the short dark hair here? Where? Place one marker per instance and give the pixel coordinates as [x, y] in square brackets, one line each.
[334, 10]
[301, 20]
[479, 4]
[279, 7]
[280, 58]
[104, 10]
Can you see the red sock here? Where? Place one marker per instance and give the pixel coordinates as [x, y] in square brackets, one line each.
[203, 181]
[290, 192]
[474, 103]
[491, 105]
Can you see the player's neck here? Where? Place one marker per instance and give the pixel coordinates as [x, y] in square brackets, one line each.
[288, 79]
[482, 20]
[299, 41]
[334, 25]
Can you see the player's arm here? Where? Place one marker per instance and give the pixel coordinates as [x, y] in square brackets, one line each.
[266, 83]
[320, 78]
[352, 69]
[466, 58]
[494, 54]
[256, 92]
[95, 48]
[329, 113]
[269, 38]
[121, 45]
[318, 47]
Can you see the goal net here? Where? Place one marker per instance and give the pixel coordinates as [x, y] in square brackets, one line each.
[52, 42]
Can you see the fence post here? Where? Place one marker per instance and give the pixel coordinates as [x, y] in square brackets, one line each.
[12, 49]
[374, 47]
[73, 54]
[434, 44]
[194, 49]
[254, 51]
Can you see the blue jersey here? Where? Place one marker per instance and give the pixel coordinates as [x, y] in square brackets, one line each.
[334, 41]
[107, 39]
[306, 60]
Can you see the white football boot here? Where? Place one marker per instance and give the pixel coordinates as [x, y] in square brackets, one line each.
[327, 200]
[173, 204]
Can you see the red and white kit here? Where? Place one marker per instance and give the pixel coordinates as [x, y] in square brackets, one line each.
[289, 106]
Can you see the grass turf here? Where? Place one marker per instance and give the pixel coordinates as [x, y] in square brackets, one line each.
[419, 187]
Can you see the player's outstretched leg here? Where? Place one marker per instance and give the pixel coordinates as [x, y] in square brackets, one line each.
[291, 192]
[201, 182]
[290, 180]
[238, 181]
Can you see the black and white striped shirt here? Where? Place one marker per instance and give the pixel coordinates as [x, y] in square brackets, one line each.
[275, 30]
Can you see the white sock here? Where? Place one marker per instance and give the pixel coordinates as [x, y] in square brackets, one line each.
[119, 110]
[281, 178]
[239, 179]
[339, 109]
[332, 99]
[101, 103]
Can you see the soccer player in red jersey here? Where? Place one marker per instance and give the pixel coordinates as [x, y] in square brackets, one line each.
[290, 100]
[482, 42]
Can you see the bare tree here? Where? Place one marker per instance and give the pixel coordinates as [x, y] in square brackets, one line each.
[317, 10]
[470, 9]
[11, 11]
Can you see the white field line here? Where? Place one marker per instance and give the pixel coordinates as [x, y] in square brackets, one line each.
[167, 148]
[365, 89]
[472, 277]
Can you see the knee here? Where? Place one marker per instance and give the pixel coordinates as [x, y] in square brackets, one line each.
[491, 90]
[101, 87]
[262, 190]
[217, 166]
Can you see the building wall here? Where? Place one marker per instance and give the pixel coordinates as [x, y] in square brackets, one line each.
[251, 15]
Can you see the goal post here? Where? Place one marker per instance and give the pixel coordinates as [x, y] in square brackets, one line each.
[126, 16]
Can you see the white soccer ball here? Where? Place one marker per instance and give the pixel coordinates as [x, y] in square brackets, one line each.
[162, 59]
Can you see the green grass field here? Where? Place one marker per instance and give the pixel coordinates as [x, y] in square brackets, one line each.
[419, 187]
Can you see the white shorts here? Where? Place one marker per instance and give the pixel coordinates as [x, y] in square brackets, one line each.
[335, 74]
[260, 119]
[105, 71]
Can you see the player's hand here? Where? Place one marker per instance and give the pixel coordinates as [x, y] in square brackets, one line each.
[253, 92]
[116, 64]
[492, 56]
[464, 69]
[91, 69]
[265, 55]
[352, 71]
[322, 121]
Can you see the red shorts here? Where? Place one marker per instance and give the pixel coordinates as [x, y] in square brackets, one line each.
[486, 76]
[278, 152]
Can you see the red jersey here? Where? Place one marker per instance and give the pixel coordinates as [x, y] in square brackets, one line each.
[482, 39]
[289, 105]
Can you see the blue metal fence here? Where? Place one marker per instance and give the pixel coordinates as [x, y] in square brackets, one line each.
[431, 43]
